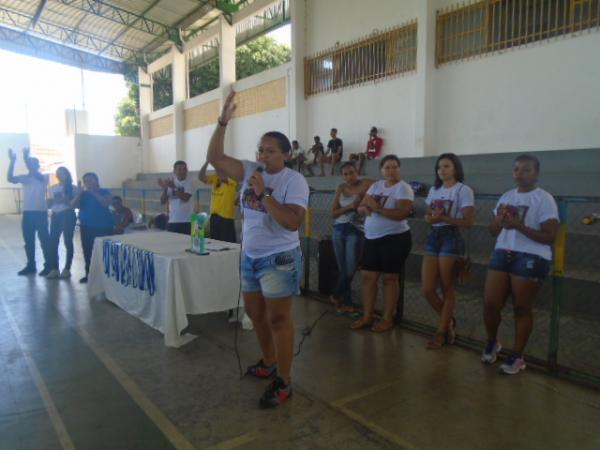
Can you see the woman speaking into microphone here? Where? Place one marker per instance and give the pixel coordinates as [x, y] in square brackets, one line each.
[273, 201]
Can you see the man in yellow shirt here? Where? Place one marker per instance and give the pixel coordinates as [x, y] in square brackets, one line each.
[223, 201]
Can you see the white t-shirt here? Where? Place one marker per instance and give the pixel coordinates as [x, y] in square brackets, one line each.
[533, 208]
[376, 225]
[180, 211]
[34, 192]
[261, 234]
[451, 200]
[57, 194]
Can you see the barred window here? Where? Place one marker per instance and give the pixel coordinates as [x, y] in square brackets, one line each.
[490, 25]
[381, 56]
[162, 88]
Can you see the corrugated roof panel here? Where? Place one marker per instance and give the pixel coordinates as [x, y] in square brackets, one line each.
[135, 39]
[23, 6]
[62, 15]
[97, 25]
[169, 12]
[133, 6]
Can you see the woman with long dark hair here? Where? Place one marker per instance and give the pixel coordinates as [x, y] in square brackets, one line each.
[348, 233]
[95, 219]
[386, 206]
[62, 222]
[525, 225]
[450, 207]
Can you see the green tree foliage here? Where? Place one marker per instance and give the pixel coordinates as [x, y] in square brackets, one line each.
[253, 57]
[127, 119]
[260, 54]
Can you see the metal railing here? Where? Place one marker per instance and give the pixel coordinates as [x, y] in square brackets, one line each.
[381, 56]
[566, 335]
[486, 26]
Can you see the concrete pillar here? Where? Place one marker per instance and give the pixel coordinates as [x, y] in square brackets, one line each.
[179, 74]
[145, 93]
[227, 49]
[226, 53]
[425, 140]
[296, 101]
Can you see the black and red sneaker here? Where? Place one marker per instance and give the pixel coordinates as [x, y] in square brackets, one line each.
[277, 393]
[260, 370]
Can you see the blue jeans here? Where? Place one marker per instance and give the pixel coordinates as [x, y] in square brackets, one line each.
[35, 222]
[61, 223]
[347, 245]
[276, 276]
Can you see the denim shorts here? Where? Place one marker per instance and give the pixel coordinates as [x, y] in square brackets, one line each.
[525, 265]
[276, 275]
[444, 241]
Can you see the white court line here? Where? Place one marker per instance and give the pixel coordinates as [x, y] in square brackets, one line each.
[394, 438]
[235, 442]
[150, 409]
[57, 422]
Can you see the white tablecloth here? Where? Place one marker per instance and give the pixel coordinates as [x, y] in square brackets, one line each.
[185, 283]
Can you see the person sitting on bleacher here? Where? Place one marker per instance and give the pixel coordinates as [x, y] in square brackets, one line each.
[372, 151]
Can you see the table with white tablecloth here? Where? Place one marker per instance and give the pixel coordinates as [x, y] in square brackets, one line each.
[152, 276]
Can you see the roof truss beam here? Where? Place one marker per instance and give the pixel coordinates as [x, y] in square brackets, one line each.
[121, 16]
[24, 43]
[65, 35]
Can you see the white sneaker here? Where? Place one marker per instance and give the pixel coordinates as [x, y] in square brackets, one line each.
[53, 274]
[66, 273]
[247, 323]
[512, 365]
[490, 352]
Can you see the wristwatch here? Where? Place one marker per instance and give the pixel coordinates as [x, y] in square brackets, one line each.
[262, 195]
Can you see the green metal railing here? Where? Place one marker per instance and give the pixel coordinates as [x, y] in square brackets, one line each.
[566, 336]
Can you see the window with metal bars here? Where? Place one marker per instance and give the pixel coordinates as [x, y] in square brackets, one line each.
[490, 25]
[377, 57]
[162, 88]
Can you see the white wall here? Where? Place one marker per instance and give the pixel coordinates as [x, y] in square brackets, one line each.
[544, 97]
[388, 105]
[243, 133]
[16, 141]
[113, 158]
[331, 21]
[196, 146]
[161, 154]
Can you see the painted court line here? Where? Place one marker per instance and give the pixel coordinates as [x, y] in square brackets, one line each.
[57, 422]
[235, 442]
[372, 390]
[402, 443]
[150, 409]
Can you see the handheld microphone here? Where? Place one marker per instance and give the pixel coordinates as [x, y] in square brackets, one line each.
[261, 167]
